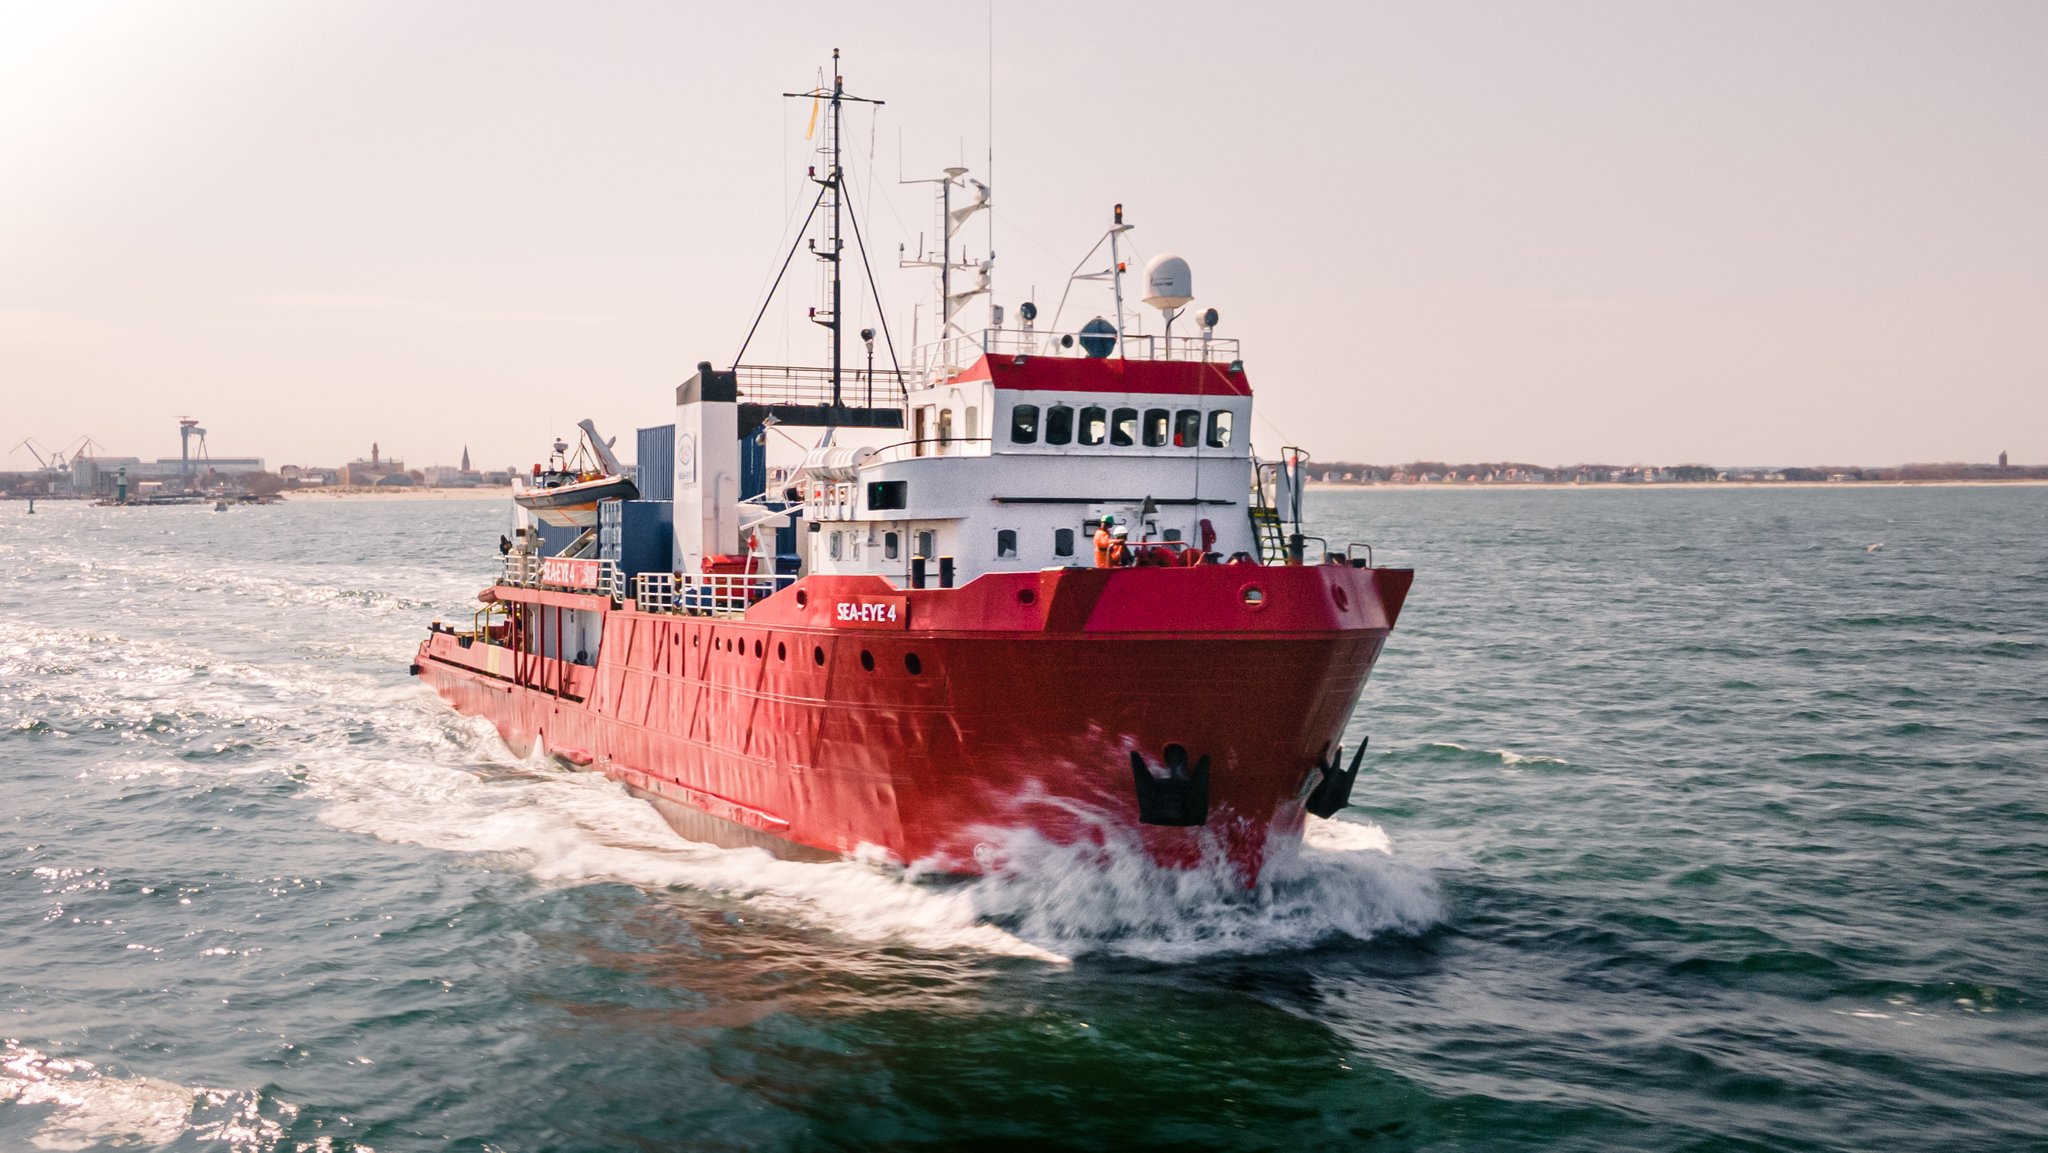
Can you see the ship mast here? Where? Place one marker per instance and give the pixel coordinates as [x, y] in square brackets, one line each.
[833, 187]
[950, 221]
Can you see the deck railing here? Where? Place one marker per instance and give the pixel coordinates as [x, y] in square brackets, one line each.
[942, 358]
[704, 594]
[803, 385]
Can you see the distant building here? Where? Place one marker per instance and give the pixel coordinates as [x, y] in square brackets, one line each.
[441, 476]
[2001, 461]
[373, 470]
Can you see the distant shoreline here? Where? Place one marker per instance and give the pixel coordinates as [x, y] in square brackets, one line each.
[1611, 486]
[382, 492]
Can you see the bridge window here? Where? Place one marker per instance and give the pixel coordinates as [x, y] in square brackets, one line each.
[973, 423]
[945, 427]
[1006, 543]
[1063, 542]
[1024, 424]
[835, 544]
[1123, 427]
[1155, 427]
[890, 546]
[1059, 424]
[927, 544]
[1187, 428]
[1219, 428]
[1094, 425]
[887, 494]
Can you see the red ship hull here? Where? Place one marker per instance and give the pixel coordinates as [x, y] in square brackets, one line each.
[844, 713]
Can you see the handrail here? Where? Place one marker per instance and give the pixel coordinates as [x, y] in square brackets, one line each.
[936, 357]
[805, 384]
[705, 594]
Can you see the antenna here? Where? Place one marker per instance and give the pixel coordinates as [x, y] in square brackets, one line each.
[950, 221]
[832, 193]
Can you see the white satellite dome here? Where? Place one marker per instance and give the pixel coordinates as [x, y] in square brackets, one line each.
[1169, 282]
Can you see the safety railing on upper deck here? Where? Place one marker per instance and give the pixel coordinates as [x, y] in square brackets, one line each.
[581, 575]
[704, 594]
[796, 384]
[942, 358]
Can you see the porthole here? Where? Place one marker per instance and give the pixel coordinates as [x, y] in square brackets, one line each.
[818, 655]
[803, 598]
[1027, 596]
[1253, 596]
[912, 665]
[867, 660]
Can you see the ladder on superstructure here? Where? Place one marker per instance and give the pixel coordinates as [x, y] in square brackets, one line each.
[1266, 527]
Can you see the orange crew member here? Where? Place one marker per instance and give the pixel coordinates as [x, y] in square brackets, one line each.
[1120, 554]
[1104, 542]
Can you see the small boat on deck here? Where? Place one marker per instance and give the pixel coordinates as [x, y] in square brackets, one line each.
[566, 493]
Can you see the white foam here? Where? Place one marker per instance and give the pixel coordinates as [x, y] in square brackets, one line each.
[1052, 902]
[1342, 883]
[89, 1110]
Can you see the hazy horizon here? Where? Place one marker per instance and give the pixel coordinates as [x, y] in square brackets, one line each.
[1734, 234]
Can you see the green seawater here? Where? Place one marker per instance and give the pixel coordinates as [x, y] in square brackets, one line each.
[1694, 819]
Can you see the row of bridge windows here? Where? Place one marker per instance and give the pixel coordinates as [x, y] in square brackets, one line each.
[1118, 427]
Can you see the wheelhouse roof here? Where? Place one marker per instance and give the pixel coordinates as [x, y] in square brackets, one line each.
[1076, 374]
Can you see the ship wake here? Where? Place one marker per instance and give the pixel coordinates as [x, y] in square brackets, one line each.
[1043, 900]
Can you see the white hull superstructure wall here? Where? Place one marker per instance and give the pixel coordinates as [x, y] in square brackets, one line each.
[707, 468]
[1008, 500]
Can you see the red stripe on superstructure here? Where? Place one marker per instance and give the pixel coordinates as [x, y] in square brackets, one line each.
[1109, 374]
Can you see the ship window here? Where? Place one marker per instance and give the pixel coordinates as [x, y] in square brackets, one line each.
[1155, 426]
[927, 544]
[1093, 425]
[973, 423]
[1024, 424]
[885, 494]
[1006, 543]
[837, 545]
[921, 427]
[890, 546]
[1059, 424]
[1123, 427]
[1219, 428]
[1187, 428]
[1063, 542]
[1171, 534]
[945, 427]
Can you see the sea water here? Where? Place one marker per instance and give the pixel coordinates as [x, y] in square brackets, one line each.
[1692, 819]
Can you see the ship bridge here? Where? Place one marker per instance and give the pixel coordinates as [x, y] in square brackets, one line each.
[1014, 458]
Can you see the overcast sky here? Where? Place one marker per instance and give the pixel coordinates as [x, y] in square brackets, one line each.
[1739, 233]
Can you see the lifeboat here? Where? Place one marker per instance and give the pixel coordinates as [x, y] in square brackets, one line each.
[568, 490]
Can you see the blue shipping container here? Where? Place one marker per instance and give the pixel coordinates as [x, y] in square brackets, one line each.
[655, 464]
[636, 535]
